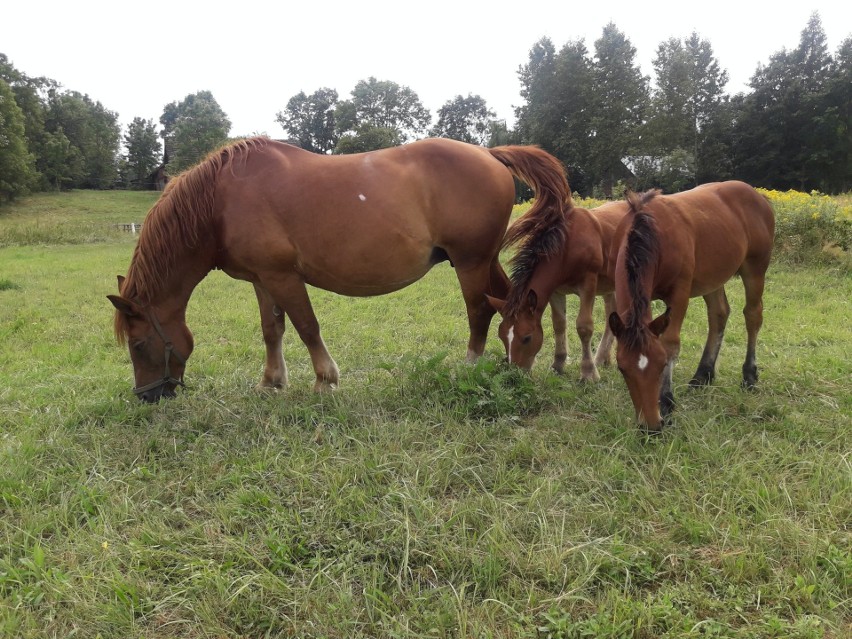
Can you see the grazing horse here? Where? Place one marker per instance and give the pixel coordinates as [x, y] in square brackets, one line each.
[673, 248]
[560, 256]
[281, 217]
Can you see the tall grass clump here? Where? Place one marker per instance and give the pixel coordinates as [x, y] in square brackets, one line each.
[811, 227]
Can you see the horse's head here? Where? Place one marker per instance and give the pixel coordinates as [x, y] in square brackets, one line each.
[159, 347]
[520, 331]
[642, 360]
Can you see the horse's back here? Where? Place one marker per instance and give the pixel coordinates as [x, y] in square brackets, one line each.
[710, 232]
[361, 224]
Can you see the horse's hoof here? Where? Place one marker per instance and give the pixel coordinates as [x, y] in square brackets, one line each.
[269, 387]
[322, 386]
[590, 377]
[698, 382]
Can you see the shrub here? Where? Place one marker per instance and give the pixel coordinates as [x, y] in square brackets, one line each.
[811, 227]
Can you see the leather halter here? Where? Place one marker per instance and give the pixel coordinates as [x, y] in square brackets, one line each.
[169, 353]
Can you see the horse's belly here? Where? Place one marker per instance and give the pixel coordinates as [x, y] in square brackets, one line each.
[364, 280]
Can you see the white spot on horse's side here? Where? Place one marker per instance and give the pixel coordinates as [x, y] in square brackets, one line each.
[509, 339]
[362, 197]
[643, 362]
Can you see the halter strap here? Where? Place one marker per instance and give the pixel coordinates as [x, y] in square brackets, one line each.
[169, 353]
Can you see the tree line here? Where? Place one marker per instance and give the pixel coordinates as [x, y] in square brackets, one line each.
[594, 110]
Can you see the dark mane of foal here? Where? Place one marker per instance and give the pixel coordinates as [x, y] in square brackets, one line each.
[178, 222]
[544, 241]
[643, 247]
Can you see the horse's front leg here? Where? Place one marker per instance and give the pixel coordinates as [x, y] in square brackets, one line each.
[272, 326]
[585, 329]
[289, 293]
[603, 356]
[718, 311]
[560, 325]
[670, 339]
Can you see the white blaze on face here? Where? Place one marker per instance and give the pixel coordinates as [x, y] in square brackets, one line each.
[643, 362]
[362, 197]
[509, 339]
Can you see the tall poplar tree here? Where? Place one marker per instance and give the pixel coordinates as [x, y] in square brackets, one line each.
[620, 99]
[191, 129]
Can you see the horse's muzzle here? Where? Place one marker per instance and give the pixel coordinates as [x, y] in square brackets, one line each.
[153, 393]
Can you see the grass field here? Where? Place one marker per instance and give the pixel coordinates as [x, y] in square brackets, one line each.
[424, 498]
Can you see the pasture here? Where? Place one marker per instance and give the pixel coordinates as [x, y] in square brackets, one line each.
[425, 497]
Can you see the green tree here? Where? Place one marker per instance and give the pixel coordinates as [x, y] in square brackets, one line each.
[31, 96]
[94, 137]
[537, 120]
[309, 120]
[379, 112]
[143, 152]
[688, 96]
[368, 138]
[558, 90]
[834, 120]
[620, 99]
[191, 129]
[16, 163]
[784, 134]
[467, 119]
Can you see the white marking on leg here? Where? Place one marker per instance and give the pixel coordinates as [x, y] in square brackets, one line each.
[643, 362]
[509, 339]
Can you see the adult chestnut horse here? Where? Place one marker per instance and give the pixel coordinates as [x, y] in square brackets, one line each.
[281, 217]
[557, 256]
[673, 248]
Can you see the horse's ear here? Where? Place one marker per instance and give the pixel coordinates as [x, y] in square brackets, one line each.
[123, 306]
[532, 300]
[496, 303]
[616, 325]
[661, 323]
[120, 282]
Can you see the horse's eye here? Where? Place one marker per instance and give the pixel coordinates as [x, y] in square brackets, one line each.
[526, 339]
[138, 345]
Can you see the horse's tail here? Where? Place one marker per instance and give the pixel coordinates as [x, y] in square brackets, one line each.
[546, 175]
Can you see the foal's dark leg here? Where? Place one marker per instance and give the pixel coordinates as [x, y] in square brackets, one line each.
[272, 325]
[718, 311]
[671, 342]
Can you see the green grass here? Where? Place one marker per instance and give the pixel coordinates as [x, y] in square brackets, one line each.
[425, 498]
[74, 217]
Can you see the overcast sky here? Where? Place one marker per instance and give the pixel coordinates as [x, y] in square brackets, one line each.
[253, 56]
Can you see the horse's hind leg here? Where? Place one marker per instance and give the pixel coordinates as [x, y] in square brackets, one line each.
[475, 283]
[560, 326]
[290, 294]
[718, 311]
[753, 281]
[272, 325]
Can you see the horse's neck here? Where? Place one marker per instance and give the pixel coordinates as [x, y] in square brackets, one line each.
[175, 290]
[547, 277]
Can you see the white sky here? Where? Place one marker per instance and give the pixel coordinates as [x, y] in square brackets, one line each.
[136, 57]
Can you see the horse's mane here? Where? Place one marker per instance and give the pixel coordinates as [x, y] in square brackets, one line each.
[545, 240]
[643, 247]
[179, 221]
